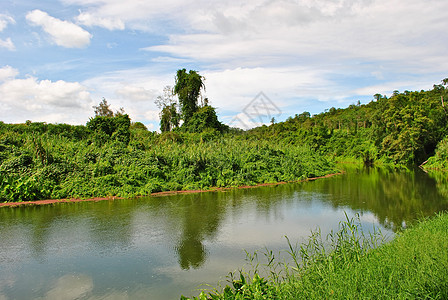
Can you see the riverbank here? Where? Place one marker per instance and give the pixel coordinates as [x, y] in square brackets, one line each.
[157, 194]
[46, 165]
[411, 266]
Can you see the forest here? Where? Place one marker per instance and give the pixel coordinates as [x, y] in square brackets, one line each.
[113, 156]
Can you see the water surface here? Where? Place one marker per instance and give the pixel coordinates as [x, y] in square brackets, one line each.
[159, 248]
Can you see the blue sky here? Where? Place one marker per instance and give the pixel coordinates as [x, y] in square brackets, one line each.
[59, 58]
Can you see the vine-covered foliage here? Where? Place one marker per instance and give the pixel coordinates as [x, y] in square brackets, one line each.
[188, 88]
[105, 129]
[110, 158]
[204, 119]
[196, 117]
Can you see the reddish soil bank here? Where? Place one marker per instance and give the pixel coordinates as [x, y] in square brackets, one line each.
[51, 201]
[158, 194]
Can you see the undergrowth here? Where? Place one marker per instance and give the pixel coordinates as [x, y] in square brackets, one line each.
[42, 161]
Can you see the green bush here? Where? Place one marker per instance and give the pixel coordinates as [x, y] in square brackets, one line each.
[440, 159]
[107, 129]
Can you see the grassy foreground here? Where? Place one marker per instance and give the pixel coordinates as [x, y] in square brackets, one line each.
[350, 265]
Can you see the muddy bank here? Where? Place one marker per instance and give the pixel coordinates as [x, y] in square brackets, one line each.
[158, 194]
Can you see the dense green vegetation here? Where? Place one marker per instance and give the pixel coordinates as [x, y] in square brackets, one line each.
[111, 156]
[403, 129]
[440, 159]
[350, 265]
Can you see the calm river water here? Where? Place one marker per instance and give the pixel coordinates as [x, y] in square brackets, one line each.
[160, 248]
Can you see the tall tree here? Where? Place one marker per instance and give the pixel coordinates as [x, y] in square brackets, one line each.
[103, 109]
[188, 88]
[169, 118]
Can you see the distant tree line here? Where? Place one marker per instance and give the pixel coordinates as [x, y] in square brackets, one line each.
[404, 128]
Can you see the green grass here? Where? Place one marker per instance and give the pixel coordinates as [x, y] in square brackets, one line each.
[351, 265]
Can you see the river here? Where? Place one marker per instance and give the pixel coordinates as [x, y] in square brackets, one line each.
[162, 247]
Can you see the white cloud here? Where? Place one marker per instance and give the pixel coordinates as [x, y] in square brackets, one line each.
[388, 87]
[296, 51]
[138, 102]
[244, 121]
[42, 100]
[131, 10]
[152, 115]
[8, 44]
[280, 31]
[63, 33]
[136, 93]
[135, 90]
[133, 14]
[5, 20]
[169, 59]
[90, 19]
[237, 87]
[319, 33]
[71, 287]
[8, 72]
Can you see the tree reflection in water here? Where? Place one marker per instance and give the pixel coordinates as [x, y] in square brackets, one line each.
[200, 216]
[396, 197]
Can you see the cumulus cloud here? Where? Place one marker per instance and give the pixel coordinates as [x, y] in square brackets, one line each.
[33, 93]
[63, 33]
[8, 72]
[42, 100]
[138, 102]
[237, 87]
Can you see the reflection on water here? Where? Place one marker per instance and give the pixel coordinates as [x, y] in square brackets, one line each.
[200, 218]
[158, 248]
[441, 179]
[70, 287]
[396, 198]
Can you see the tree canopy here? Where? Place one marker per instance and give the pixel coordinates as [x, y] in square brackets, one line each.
[188, 88]
[196, 117]
[103, 109]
